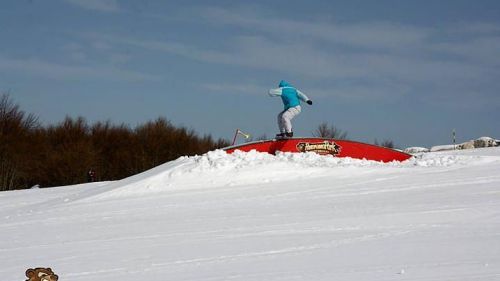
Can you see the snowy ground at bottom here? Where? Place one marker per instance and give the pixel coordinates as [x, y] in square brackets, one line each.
[253, 216]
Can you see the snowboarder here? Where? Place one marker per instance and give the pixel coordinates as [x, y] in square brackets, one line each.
[291, 98]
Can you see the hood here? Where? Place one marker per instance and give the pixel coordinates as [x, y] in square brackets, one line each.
[283, 83]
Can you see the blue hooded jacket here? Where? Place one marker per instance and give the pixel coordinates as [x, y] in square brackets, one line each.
[290, 96]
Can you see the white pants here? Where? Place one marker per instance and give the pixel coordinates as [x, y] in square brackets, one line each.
[285, 117]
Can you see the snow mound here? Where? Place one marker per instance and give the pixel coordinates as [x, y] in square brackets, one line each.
[416, 149]
[217, 169]
[485, 142]
[443, 147]
[481, 142]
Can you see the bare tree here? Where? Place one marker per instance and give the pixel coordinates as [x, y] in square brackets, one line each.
[62, 154]
[15, 126]
[262, 137]
[325, 130]
[385, 143]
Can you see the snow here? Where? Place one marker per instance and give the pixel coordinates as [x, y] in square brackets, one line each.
[485, 142]
[486, 139]
[443, 147]
[477, 143]
[416, 149]
[254, 216]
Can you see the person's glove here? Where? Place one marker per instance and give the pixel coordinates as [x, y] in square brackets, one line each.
[309, 102]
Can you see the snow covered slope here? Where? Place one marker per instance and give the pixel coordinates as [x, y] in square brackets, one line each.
[252, 216]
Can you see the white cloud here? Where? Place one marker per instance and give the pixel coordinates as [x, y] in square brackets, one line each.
[484, 50]
[71, 47]
[95, 51]
[58, 71]
[384, 60]
[118, 59]
[236, 89]
[478, 28]
[311, 61]
[367, 34]
[101, 45]
[96, 5]
[74, 51]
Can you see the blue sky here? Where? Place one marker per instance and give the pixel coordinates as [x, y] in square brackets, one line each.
[409, 71]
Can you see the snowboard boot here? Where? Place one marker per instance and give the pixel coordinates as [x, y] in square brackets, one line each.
[280, 135]
[289, 135]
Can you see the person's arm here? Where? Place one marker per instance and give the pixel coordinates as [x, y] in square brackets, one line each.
[303, 97]
[275, 92]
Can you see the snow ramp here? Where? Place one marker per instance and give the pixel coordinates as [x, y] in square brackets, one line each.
[217, 169]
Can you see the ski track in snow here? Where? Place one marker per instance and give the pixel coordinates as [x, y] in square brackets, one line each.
[254, 216]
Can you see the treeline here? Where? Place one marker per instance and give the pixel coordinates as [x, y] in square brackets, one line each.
[63, 154]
